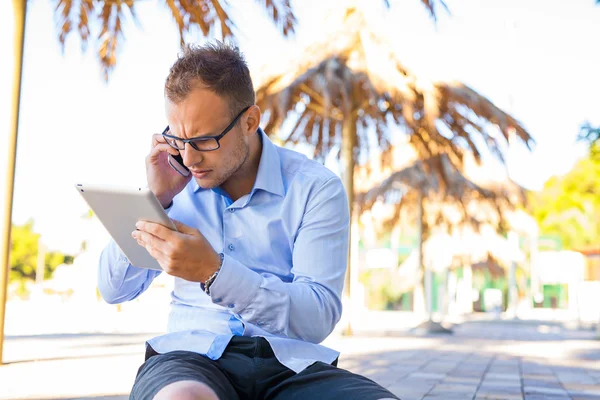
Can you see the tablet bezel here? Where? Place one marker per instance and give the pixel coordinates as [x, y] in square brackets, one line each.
[118, 209]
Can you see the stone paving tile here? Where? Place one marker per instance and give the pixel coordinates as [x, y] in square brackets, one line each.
[455, 388]
[409, 397]
[498, 392]
[537, 372]
[124, 397]
[499, 389]
[501, 382]
[582, 389]
[413, 384]
[577, 396]
[581, 378]
[462, 371]
[545, 397]
[447, 396]
[540, 377]
[541, 383]
[499, 397]
[427, 376]
[410, 391]
[442, 364]
[503, 376]
[545, 390]
[460, 379]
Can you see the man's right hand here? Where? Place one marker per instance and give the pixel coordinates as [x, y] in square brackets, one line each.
[163, 180]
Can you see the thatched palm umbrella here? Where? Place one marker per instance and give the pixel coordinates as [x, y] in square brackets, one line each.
[348, 90]
[438, 183]
[437, 180]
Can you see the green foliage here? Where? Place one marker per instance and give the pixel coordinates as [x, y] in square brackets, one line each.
[382, 293]
[569, 207]
[24, 254]
[592, 136]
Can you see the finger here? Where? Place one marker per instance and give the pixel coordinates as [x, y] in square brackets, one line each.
[136, 235]
[161, 148]
[151, 243]
[161, 232]
[154, 242]
[183, 228]
[158, 138]
[157, 255]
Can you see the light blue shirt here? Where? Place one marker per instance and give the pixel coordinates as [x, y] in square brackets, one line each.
[286, 251]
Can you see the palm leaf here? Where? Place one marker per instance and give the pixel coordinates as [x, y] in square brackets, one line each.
[432, 5]
[212, 17]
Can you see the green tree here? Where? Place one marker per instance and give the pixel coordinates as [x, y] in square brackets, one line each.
[569, 206]
[591, 135]
[24, 254]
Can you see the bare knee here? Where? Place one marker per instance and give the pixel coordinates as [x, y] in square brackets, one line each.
[186, 390]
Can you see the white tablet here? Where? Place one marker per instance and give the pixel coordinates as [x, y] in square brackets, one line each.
[118, 209]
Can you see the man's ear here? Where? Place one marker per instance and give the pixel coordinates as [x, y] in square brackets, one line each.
[251, 120]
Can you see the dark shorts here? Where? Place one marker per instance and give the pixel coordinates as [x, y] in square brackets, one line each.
[248, 369]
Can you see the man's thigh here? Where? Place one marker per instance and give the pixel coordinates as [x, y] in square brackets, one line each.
[324, 381]
[160, 370]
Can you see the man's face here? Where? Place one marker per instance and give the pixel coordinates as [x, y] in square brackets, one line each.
[204, 113]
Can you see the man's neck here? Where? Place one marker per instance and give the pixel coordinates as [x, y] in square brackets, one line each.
[242, 182]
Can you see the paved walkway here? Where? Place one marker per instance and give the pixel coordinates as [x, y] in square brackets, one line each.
[481, 360]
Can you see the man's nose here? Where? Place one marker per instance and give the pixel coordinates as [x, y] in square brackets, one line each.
[191, 156]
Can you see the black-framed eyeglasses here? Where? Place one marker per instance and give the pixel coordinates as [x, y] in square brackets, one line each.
[203, 143]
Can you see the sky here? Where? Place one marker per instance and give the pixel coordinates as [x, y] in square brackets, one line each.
[537, 60]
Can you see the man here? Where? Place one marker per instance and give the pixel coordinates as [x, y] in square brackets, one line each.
[259, 255]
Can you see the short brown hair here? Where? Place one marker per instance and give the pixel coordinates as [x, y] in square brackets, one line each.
[218, 66]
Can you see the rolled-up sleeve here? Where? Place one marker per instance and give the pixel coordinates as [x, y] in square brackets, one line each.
[309, 307]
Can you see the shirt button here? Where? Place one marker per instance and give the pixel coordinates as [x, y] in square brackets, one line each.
[218, 300]
[231, 247]
[232, 210]
[231, 305]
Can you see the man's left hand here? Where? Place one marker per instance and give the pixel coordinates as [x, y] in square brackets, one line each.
[185, 254]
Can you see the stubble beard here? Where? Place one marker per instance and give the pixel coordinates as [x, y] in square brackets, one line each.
[234, 163]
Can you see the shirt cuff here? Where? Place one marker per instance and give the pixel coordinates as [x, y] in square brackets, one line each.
[235, 286]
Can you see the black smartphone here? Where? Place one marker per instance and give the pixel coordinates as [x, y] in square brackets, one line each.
[176, 162]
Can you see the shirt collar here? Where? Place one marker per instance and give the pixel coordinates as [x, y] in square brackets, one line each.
[268, 177]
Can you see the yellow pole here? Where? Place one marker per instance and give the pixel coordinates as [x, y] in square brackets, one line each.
[348, 163]
[19, 11]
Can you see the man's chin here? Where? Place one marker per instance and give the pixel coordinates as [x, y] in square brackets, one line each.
[204, 183]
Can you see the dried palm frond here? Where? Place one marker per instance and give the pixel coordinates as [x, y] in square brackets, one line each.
[491, 265]
[430, 5]
[354, 74]
[207, 15]
[450, 198]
